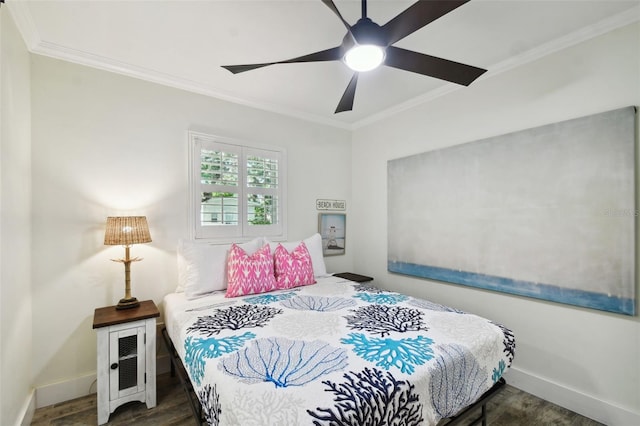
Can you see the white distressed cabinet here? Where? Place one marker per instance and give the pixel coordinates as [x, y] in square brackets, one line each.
[126, 356]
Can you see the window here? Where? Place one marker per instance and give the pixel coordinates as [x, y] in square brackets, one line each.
[237, 191]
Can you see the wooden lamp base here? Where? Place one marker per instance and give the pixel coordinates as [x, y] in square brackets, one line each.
[129, 303]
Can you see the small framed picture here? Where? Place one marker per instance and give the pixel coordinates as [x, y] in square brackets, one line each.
[333, 229]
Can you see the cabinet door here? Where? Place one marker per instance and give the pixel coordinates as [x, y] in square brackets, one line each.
[127, 362]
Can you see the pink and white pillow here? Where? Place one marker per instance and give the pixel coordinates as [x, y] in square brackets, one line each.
[314, 246]
[250, 274]
[293, 269]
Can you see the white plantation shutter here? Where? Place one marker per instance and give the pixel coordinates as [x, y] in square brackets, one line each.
[237, 191]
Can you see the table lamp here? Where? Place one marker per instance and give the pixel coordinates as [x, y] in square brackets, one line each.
[126, 231]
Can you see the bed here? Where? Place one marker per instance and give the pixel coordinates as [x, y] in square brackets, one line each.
[335, 352]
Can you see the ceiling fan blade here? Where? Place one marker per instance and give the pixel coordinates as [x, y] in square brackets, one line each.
[431, 66]
[346, 102]
[417, 16]
[333, 54]
[331, 5]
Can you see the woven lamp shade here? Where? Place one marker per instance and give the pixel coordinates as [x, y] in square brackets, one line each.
[126, 230]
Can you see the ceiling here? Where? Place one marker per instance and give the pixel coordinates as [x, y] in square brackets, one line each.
[183, 44]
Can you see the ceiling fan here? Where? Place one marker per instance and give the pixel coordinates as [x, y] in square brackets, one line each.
[368, 45]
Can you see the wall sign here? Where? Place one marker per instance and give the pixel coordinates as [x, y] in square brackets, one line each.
[331, 205]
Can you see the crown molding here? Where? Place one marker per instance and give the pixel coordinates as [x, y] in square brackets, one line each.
[602, 27]
[65, 53]
[22, 16]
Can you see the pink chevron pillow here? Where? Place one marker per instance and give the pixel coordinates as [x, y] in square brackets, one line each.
[293, 269]
[249, 274]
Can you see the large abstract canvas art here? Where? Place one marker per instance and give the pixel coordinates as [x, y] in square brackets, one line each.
[547, 212]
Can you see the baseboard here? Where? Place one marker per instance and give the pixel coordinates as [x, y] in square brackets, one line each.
[55, 393]
[571, 399]
[28, 409]
[586, 405]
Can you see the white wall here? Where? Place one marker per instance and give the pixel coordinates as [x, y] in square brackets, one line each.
[586, 360]
[105, 144]
[15, 225]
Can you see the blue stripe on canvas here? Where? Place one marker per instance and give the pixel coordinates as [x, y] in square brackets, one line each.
[587, 299]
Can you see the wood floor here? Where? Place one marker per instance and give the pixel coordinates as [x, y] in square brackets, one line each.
[511, 407]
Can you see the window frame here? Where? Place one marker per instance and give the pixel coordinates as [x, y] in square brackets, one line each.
[244, 231]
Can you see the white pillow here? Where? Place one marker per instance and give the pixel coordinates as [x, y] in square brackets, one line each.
[314, 246]
[202, 267]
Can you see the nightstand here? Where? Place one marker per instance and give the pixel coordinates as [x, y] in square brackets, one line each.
[353, 277]
[126, 356]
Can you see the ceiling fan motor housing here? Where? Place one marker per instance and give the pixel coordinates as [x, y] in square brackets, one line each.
[364, 32]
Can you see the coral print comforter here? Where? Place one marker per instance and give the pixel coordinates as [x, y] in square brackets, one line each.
[334, 353]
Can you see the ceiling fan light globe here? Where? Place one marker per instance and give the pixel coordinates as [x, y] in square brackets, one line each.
[365, 57]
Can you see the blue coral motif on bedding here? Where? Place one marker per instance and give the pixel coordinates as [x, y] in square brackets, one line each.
[367, 287]
[265, 299]
[284, 362]
[317, 303]
[233, 318]
[457, 379]
[210, 401]
[509, 342]
[499, 371]
[425, 304]
[382, 298]
[197, 351]
[403, 354]
[383, 319]
[371, 397]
